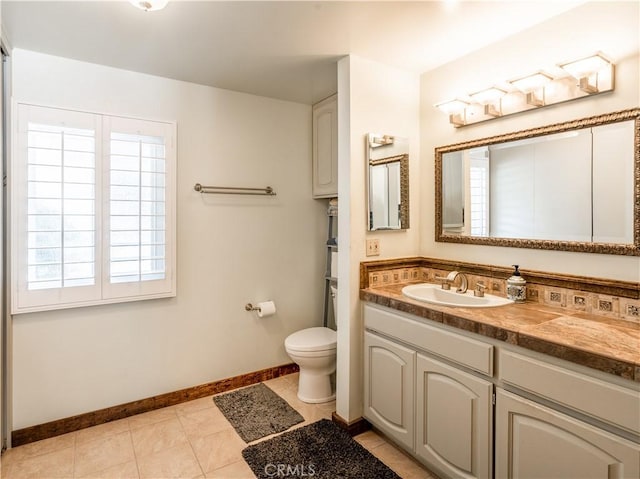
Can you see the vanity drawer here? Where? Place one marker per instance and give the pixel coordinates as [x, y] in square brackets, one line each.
[469, 352]
[608, 402]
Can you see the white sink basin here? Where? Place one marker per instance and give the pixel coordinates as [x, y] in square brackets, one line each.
[433, 293]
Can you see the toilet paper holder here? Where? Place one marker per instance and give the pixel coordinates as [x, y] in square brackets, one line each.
[264, 309]
[251, 307]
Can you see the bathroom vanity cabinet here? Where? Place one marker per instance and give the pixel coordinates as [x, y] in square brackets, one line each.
[452, 425]
[439, 392]
[389, 381]
[454, 415]
[534, 441]
[325, 148]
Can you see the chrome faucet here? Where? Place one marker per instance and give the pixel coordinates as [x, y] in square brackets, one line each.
[451, 277]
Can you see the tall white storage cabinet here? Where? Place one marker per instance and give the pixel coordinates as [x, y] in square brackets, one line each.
[325, 148]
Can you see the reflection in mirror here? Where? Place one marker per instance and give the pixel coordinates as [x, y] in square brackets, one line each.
[388, 181]
[453, 192]
[571, 186]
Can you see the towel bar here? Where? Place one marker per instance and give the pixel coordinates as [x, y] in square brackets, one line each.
[232, 190]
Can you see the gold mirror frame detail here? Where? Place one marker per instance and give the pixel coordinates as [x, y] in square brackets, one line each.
[578, 246]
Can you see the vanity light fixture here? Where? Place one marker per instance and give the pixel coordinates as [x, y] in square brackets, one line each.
[531, 82]
[377, 141]
[149, 5]
[594, 75]
[452, 106]
[456, 110]
[533, 87]
[586, 66]
[490, 95]
[588, 71]
[491, 99]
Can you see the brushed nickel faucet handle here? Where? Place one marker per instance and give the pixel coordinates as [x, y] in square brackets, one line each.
[445, 282]
[479, 289]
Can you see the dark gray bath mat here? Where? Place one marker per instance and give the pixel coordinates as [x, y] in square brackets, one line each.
[256, 411]
[320, 450]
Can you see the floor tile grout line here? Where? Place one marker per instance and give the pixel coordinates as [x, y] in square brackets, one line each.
[191, 441]
[184, 432]
[12, 465]
[32, 456]
[196, 456]
[135, 455]
[73, 459]
[73, 456]
[112, 465]
[172, 420]
[100, 438]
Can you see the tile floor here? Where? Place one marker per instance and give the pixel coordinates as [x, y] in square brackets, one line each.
[189, 440]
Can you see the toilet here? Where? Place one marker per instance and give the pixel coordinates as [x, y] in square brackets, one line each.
[314, 351]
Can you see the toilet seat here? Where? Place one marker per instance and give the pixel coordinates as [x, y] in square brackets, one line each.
[311, 339]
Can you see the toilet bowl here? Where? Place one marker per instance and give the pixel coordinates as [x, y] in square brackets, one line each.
[314, 351]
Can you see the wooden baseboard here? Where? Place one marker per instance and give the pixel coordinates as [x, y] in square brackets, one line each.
[94, 418]
[354, 428]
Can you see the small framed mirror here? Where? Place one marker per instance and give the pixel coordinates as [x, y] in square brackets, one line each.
[388, 182]
[571, 186]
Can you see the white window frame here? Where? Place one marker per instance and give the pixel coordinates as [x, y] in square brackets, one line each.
[479, 201]
[102, 292]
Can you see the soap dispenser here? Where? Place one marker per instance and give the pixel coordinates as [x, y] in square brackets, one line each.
[516, 286]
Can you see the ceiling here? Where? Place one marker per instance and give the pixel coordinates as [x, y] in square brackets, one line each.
[285, 50]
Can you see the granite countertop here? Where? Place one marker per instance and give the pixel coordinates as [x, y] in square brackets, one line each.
[606, 344]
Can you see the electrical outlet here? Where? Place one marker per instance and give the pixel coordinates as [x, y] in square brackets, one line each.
[373, 247]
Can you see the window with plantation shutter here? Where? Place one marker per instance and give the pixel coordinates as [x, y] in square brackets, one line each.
[94, 203]
[137, 228]
[479, 196]
[61, 215]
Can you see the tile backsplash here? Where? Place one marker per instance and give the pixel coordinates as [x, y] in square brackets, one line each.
[394, 276]
[565, 296]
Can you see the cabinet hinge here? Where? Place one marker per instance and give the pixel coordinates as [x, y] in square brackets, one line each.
[493, 399]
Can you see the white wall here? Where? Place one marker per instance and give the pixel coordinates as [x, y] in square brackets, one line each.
[610, 27]
[372, 98]
[231, 250]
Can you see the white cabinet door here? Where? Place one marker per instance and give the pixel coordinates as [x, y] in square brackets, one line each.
[389, 372]
[325, 148]
[454, 420]
[533, 441]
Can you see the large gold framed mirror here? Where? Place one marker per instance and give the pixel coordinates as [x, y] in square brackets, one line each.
[572, 186]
